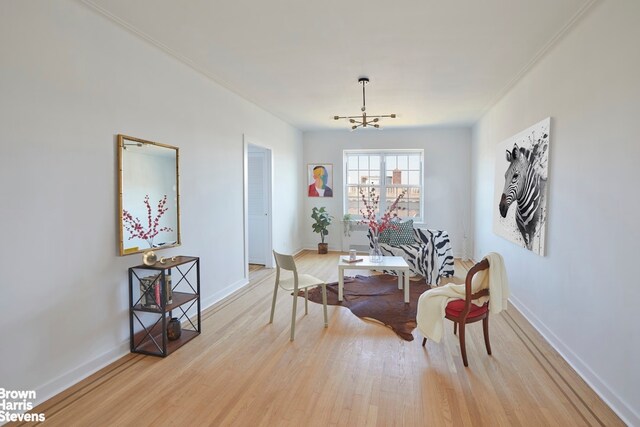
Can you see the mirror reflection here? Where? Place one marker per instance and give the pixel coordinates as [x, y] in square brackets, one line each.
[149, 196]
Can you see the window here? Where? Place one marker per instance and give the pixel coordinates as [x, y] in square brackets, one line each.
[389, 172]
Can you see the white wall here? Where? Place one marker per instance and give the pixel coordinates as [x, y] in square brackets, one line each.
[70, 81]
[583, 296]
[447, 172]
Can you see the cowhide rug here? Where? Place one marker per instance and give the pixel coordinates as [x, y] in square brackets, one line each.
[377, 297]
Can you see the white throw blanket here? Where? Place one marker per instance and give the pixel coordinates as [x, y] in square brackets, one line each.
[432, 303]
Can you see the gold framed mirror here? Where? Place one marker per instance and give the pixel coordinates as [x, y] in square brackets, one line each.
[149, 195]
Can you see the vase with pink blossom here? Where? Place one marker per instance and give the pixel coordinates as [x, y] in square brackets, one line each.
[370, 201]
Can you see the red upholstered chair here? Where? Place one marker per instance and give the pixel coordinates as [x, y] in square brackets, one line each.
[463, 311]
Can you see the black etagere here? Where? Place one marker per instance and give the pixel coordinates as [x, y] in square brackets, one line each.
[156, 293]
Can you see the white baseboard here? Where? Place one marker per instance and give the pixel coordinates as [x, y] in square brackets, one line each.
[310, 247]
[618, 405]
[225, 292]
[315, 248]
[74, 376]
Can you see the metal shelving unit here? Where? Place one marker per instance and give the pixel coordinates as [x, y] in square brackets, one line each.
[153, 300]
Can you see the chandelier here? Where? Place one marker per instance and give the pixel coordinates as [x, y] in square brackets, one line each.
[364, 120]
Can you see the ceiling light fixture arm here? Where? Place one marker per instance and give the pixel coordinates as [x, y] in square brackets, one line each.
[364, 120]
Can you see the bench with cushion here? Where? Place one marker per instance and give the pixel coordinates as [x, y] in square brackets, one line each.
[428, 252]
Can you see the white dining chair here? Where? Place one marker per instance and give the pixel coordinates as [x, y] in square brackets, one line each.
[294, 284]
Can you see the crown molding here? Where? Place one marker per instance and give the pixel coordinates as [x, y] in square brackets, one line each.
[185, 60]
[230, 87]
[539, 56]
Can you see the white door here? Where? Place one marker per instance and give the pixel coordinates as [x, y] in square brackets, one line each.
[258, 205]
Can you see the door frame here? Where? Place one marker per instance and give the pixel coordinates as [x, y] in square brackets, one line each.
[246, 141]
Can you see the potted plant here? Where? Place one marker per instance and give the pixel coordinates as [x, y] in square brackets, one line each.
[323, 220]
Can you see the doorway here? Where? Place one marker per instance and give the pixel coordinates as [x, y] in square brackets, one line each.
[257, 207]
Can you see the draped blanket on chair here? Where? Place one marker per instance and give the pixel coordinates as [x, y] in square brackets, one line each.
[432, 303]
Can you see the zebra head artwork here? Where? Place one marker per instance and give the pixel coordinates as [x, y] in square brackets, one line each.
[520, 207]
[524, 185]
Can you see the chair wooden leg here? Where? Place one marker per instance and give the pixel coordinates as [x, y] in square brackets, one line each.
[306, 300]
[424, 341]
[293, 316]
[273, 303]
[463, 349]
[455, 328]
[324, 304]
[485, 329]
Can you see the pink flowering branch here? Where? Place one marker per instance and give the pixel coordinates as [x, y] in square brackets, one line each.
[371, 201]
[134, 226]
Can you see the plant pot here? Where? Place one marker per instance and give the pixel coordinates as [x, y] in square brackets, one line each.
[323, 248]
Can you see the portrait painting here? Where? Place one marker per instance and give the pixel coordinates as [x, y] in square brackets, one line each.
[320, 181]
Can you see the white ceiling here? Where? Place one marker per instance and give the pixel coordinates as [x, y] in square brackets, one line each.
[431, 62]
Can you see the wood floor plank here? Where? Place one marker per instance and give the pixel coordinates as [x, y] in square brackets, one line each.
[244, 371]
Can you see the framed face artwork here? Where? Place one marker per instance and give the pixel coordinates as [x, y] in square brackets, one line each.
[320, 180]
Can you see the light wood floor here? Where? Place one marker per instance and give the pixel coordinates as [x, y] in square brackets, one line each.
[242, 371]
[255, 267]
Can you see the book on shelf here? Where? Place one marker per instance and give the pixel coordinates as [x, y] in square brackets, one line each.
[351, 261]
[156, 293]
[148, 292]
[152, 292]
[168, 292]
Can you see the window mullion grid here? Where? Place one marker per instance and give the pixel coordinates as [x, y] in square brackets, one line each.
[345, 184]
[383, 185]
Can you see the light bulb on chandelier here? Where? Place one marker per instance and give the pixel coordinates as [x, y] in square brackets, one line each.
[364, 120]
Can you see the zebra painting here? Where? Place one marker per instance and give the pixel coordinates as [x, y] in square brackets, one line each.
[524, 188]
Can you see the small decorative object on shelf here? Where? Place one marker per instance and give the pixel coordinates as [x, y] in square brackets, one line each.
[370, 201]
[171, 288]
[174, 329]
[351, 261]
[149, 258]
